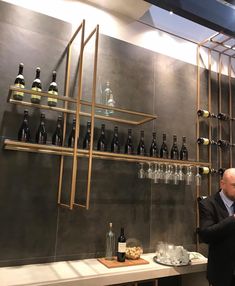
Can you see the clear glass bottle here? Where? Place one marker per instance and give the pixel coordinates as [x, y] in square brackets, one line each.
[108, 99]
[53, 89]
[41, 135]
[36, 86]
[115, 145]
[110, 244]
[19, 82]
[24, 131]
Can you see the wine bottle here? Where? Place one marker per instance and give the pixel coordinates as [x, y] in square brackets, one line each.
[53, 89]
[71, 138]
[223, 144]
[154, 152]
[204, 113]
[121, 251]
[174, 149]
[57, 137]
[24, 131]
[205, 141]
[141, 147]
[19, 82]
[221, 171]
[115, 146]
[87, 138]
[102, 145]
[223, 116]
[184, 150]
[164, 148]
[129, 148]
[206, 170]
[36, 86]
[41, 134]
[110, 243]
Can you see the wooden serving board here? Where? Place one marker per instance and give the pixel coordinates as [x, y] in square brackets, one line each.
[128, 262]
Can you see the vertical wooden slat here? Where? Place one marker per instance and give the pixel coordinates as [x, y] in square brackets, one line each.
[79, 94]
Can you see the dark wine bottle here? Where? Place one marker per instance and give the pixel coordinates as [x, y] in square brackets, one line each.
[164, 148]
[223, 144]
[206, 170]
[53, 89]
[71, 138]
[141, 147]
[24, 131]
[221, 171]
[121, 249]
[57, 137]
[87, 138]
[205, 141]
[19, 82]
[102, 145]
[154, 152]
[205, 113]
[174, 149]
[184, 150]
[223, 116]
[36, 86]
[115, 145]
[41, 134]
[129, 148]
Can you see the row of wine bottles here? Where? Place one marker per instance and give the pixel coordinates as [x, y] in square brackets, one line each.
[36, 86]
[206, 114]
[221, 143]
[111, 245]
[24, 134]
[207, 170]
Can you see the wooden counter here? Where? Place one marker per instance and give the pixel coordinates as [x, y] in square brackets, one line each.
[90, 272]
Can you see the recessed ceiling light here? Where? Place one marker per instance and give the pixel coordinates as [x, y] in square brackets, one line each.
[171, 12]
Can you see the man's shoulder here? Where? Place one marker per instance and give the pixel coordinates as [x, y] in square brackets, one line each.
[213, 199]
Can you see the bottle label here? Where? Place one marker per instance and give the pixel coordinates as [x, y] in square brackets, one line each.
[122, 247]
[205, 170]
[52, 99]
[206, 141]
[18, 94]
[37, 97]
[205, 113]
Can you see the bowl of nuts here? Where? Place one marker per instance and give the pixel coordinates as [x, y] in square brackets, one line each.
[133, 248]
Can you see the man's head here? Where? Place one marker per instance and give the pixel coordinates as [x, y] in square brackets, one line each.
[227, 183]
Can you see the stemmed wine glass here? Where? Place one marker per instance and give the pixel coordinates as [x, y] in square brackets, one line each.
[198, 178]
[176, 176]
[189, 175]
[141, 172]
[149, 172]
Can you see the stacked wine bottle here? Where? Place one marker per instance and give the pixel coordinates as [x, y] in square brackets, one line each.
[36, 86]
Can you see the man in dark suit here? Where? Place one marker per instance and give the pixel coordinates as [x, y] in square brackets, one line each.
[217, 228]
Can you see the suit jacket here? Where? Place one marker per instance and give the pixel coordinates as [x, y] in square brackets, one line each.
[217, 229]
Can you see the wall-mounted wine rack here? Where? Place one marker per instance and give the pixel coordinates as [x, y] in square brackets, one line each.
[92, 110]
[221, 45]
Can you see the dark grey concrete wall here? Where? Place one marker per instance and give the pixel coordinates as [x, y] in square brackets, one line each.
[33, 228]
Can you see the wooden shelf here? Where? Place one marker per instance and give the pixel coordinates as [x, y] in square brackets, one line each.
[65, 151]
[118, 115]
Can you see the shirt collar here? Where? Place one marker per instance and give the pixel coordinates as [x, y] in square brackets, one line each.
[225, 199]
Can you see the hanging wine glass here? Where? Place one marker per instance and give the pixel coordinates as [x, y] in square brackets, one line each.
[189, 176]
[141, 172]
[198, 178]
[156, 173]
[176, 176]
[181, 174]
[149, 172]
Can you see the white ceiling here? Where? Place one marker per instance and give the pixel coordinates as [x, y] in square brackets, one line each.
[156, 17]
